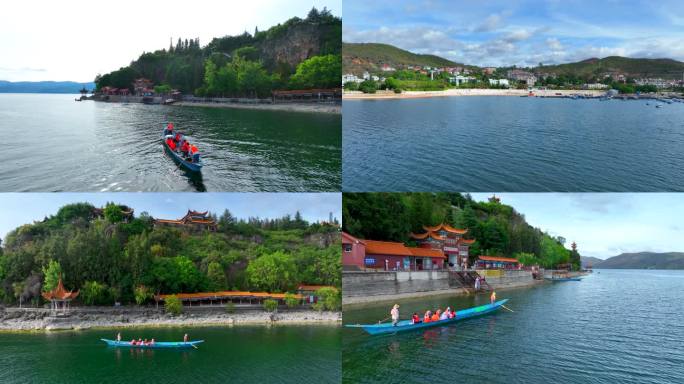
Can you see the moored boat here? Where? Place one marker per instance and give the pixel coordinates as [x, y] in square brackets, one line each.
[407, 325]
[563, 278]
[178, 158]
[157, 344]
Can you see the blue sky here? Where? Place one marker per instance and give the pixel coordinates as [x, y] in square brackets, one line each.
[524, 33]
[23, 208]
[605, 224]
[77, 39]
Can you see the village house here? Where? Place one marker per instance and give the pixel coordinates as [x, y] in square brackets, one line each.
[143, 87]
[595, 86]
[524, 76]
[460, 79]
[501, 82]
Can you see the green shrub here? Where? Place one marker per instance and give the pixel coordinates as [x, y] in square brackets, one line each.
[368, 86]
[270, 305]
[93, 293]
[291, 301]
[397, 90]
[173, 305]
[330, 298]
[319, 306]
[142, 294]
[230, 307]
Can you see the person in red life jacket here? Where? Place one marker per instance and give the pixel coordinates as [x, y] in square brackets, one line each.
[416, 318]
[178, 138]
[185, 147]
[171, 144]
[194, 152]
[169, 129]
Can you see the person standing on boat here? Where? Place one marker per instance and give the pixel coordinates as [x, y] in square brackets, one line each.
[492, 298]
[185, 338]
[169, 129]
[394, 313]
[118, 336]
[477, 283]
[195, 153]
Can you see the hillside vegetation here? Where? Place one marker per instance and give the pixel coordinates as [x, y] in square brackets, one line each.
[360, 57]
[300, 53]
[110, 259]
[644, 260]
[497, 228]
[636, 68]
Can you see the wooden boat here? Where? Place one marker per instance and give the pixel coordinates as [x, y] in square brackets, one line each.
[194, 167]
[407, 325]
[157, 344]
[563, 278]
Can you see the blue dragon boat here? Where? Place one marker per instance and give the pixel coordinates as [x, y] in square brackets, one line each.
[157, 344]
[407, 325]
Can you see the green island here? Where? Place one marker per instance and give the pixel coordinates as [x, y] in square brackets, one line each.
[107, 267]
[298, 60]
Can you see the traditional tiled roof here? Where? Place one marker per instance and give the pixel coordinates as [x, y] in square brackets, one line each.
[497, 258]
[427, 252]
[386, 248]
[445, 227]
[421, 236]
[59, 293]
[467, 241]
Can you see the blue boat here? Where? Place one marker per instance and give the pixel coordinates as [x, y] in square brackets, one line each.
[407, 325]
[194, 167]
[563, 278]
[157, 344]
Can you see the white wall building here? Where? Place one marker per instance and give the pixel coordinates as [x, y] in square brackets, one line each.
[503, 82]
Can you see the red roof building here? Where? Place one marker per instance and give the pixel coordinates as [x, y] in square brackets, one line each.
[387, 255]
[59, 297]
[496, 262]
[449, 241]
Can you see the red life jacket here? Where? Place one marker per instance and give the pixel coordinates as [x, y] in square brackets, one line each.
[171, 144]
[185, 146]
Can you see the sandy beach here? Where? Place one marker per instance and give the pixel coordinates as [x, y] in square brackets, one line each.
[352, 95]
[288, 107]
[41, 320]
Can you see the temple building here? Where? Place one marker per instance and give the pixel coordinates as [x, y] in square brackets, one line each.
[449, 241]
[193, 220]
[387, 255]
[59, 297]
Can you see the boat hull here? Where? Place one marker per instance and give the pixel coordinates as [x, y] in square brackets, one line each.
[194, 167]
[405, 325]
[564, 279]
[157, 344]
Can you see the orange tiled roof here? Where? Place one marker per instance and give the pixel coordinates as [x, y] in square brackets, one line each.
[467, 241]
[59, 293]
[421, 236]
[497, 258]
[445, 227]
[386, 248]
[427, 252]
[226, 294]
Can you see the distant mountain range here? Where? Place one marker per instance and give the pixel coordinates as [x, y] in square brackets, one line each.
[640, 260]
[588, 261]
[360, 57]
[43, 86]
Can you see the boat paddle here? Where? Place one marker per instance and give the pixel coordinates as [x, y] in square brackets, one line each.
[506, 308]
[194, 346]
[386, 318]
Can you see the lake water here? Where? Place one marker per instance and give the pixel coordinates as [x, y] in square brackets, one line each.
[52, 143]
[512, 144]
[244, 354]
[616, 326]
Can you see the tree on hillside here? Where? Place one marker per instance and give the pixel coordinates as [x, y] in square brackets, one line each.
[318, 72]
[52, 272]
[273, 272]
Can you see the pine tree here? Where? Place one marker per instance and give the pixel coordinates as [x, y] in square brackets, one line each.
[256, 31]
[170, 44]
[179, 45]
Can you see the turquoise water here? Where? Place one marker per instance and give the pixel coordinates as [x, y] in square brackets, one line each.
[512, 144]
[244, 354]
[615, 326]
[55, 144]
